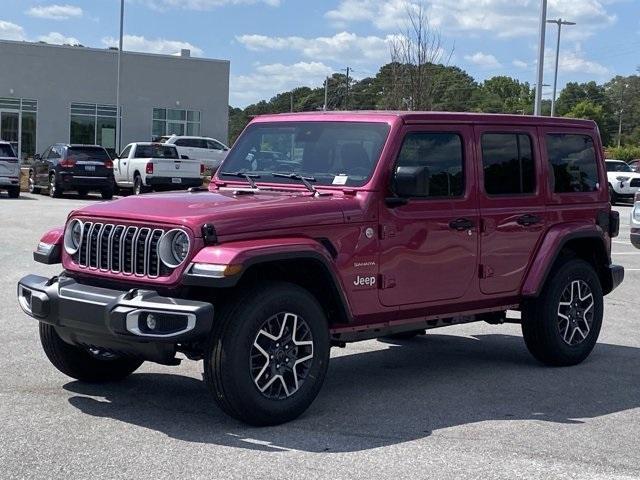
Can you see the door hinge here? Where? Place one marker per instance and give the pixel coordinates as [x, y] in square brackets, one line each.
[485, 271]
[385, 282]
[387, 231]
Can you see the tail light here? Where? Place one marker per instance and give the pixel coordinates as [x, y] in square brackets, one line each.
[202, 169]
[149, 169]
[67, 162]
[108, 163]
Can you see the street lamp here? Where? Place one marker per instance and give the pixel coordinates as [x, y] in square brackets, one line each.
[622, 90]
[543, 31]
[118, 109]
[560, 23]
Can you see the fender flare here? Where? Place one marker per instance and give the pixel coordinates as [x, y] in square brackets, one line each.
[247, 254]
[549, 251]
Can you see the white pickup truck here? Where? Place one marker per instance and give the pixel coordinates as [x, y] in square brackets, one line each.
[146, 166]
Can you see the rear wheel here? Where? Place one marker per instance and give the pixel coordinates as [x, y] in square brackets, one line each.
[32, 183]
[107, 193]
[55, 189]
[562, 325]
[14, 192]
[268, 355]
[87, 365]
[138, 188]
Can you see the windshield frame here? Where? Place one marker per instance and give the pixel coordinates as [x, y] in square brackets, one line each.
[267, 180]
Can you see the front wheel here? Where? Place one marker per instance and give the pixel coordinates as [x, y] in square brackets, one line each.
[268, 355]
[84, 364]
[562, 325]
[14, 192]
[33, 188]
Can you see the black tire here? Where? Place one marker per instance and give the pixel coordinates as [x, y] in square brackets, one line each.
[138, 188]
[543, 326]
[406, 335]
[228, 368]
[78, 363]
[14, 192]
[33, 188]
[55, 189]
[107, 193]
[82, 192]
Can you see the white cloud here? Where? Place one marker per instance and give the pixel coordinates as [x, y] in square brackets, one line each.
[503, 18]
[339, 47]
[573, 61]
[204, 4]
[520, 64]
[138, 43]
[11, 31]
[55, 12]
[59, 39]
[483, 60]
[267, 80]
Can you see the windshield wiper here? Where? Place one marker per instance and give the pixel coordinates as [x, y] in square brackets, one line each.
[304, 180]
[249, 177]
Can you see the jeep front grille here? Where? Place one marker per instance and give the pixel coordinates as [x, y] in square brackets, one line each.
[121, 249]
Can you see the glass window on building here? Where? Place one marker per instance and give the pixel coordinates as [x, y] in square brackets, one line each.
[170, 121]
[18, 123]
[93, 124]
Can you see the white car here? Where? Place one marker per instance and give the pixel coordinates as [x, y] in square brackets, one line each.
[145, 166]
[209, 151]
[9, 170]
[635, 222]
[623, 181]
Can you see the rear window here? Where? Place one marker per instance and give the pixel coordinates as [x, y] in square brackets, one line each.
[573, 162]
[156, 151]
[80, 154]
[6, 151]
[508, 164]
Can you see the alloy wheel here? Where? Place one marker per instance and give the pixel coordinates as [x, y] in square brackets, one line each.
[32, 183]
[281, 355]
[575, 312]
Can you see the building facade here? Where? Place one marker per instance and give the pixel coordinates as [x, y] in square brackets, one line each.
[51, 93]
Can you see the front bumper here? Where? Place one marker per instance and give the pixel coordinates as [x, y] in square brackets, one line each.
[133, 322]
[615, 277]
[635, 237]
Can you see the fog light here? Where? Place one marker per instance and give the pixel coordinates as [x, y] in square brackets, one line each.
[151, 322]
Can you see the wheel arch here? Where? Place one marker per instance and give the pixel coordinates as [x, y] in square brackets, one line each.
[587, 243]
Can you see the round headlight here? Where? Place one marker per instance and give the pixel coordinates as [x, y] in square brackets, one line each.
[73, 236]
[174, 248]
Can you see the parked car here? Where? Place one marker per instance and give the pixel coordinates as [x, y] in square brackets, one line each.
[623, 181]
[81, 168]
[9, 170]
[635, 221]
[209, 151]
[635, 165]
[385, 224]
[146, 166]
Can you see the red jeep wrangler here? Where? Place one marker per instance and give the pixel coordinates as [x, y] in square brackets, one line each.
[326, 228]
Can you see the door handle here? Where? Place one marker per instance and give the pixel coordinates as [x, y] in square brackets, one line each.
[461, 224]
[528, 220]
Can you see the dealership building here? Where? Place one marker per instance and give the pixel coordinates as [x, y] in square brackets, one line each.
[52, 93]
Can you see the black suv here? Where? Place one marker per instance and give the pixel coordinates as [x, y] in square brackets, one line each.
[73, 167]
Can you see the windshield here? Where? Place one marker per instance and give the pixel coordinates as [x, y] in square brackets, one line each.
[326, 153]
[6, 150]
[618, 167]
[156, 151]
[82, 154]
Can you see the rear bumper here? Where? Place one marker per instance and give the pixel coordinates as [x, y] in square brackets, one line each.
[635, 237]
[9, 182]
[70, 180]
[117, 320]
[168, 182]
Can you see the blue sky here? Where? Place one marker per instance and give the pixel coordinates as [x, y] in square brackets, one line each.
[275, 45]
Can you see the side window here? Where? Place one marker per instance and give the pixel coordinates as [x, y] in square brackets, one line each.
[214, 145]
[54, 153]
[183, 142]
[46, 153]
[508, 164]
[441, 154]
[125, 152]
[573, 162]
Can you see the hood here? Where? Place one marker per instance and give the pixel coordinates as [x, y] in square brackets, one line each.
[230, 214]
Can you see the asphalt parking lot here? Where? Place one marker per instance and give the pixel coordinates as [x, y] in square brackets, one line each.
[462, 402]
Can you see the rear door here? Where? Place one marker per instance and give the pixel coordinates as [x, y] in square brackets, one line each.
[512, 204]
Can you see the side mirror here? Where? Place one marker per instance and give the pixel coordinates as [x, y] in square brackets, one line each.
[411, 182]
[184, 157]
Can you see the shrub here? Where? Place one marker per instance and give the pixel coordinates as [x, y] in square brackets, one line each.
[623, 153]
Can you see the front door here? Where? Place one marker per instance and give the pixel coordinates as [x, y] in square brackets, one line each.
[429, 246]
[10, 129]
[512, 205]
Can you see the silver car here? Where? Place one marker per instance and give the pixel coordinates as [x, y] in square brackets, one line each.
[9, 170]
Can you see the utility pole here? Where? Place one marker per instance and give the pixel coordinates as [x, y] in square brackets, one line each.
[540, 74]
[118, 109]
[326, 94]
[346, 98]
[560, 23]
[622, 89]
[291, 109]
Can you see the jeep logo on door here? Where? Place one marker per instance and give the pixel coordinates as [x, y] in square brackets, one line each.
[364, 281]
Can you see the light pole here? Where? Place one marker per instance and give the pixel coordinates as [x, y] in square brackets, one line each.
[622, 90]
[543, 30]
[118, 109]
[560, 23]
